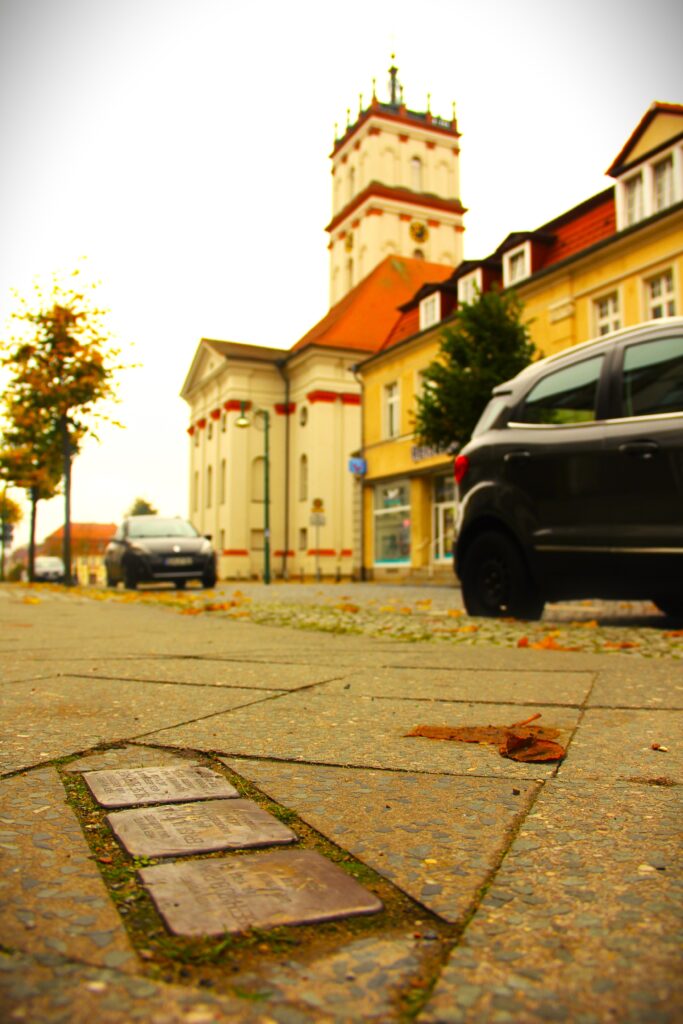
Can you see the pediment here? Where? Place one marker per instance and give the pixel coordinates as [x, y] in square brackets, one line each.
[661, 125]
[205, 363]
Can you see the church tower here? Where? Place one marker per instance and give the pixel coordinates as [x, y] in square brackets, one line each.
[396, 189]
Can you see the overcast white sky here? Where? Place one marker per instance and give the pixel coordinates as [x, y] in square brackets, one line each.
[183, 146]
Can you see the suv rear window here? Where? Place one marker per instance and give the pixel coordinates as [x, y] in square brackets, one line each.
[653, 377]
[565, 396]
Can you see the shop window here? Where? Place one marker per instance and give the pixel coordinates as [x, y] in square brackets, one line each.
[392, 523]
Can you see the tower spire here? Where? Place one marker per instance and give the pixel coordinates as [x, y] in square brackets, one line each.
[394, 87]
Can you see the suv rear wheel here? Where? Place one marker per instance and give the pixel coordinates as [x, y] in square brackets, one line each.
[495, 581]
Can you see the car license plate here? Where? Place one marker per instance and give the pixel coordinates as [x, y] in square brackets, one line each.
[179, 561]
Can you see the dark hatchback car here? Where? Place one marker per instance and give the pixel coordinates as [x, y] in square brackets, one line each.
[151, 549]
[572, 483]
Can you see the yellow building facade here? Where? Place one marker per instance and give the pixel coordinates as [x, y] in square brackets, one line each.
[611, 262]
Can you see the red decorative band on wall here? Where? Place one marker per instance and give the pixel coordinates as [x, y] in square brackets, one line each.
[322, 396]
[403, 138]
[434, 223]
[404, 216]
[431, 145]
[215, 414]
[235, 551]
[374, 212]
[190, 430]
[322, 551]
[374, 131]
[279, 554]
[285, 408]
[201, 424]
[234, 405]
[349, 399]
[346, 552]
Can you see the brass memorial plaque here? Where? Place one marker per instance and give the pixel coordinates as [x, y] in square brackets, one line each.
[126, 787]
[260, 890]
[179, 829]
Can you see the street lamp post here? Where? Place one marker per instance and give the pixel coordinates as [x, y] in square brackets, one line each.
[244, 421]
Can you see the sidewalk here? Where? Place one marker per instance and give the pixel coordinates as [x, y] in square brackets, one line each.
[510, 891]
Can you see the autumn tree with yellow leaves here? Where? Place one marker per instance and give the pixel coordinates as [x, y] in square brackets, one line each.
[61, 365]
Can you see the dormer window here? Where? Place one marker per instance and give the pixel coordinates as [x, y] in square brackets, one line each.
[517, 265]
[663, 183]
[430, 310]
[654, 187]
[469, 288]
[633, 199]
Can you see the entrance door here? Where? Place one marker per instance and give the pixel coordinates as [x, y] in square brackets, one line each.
[444, 518]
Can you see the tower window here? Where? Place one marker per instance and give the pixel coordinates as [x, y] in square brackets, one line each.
[416, 174]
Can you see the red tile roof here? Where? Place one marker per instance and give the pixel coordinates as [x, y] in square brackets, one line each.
[91, 532]
[368, 313]
[578, 229]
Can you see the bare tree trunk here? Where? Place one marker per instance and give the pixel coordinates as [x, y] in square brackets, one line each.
[66, 457]
[33, 493]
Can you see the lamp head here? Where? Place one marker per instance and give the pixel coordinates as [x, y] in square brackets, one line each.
[242, 420]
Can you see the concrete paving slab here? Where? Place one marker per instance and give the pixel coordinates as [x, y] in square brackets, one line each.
[362, 731]
[63, 992]
[582, 922]
[52, 897]
[617, 744]
[260, 890]
[157, 784]
[436, 837]
[176, 830]
[69, 714]
[128, 756]
[360, 981]
[210, 672]
[500, 686]
[638, 684]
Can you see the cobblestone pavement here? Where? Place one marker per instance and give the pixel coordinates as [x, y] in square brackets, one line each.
[510, 891]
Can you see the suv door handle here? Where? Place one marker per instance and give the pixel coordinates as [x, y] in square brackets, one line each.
[640, 449]
[517, 456]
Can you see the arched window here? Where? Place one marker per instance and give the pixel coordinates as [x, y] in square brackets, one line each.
[209, 485]
[416, 174]
[418, 254]
[222, 482]
[303, 478]
[257, 490]
[352, 182]
[349, 275]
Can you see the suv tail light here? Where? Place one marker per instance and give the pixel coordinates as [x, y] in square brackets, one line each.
[460, 467]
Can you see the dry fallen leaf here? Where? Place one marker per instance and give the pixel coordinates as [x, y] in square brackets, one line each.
[520, 741]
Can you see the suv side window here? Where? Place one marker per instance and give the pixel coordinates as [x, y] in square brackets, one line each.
[564, 397]
[653, 377]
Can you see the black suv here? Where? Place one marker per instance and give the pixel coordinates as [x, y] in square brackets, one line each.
[571, 485]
